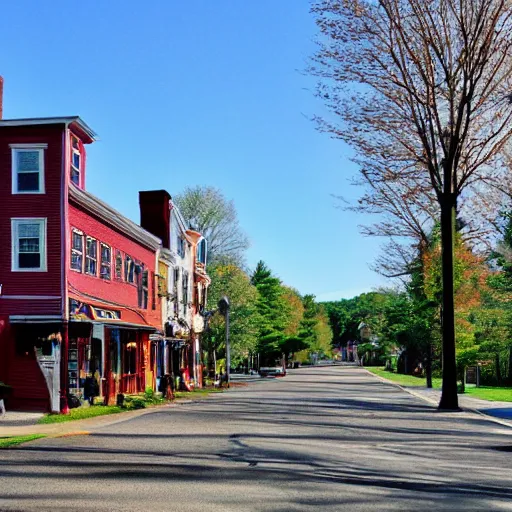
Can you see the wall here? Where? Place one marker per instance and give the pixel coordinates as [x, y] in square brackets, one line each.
[32, 205]
[119, 292]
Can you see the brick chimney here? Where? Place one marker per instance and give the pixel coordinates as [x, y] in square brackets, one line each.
[155, 214]
[1, 97]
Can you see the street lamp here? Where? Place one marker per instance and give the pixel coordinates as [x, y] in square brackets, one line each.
[224, 305]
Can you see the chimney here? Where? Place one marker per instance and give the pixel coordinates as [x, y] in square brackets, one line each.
[1, 97]
[155, 214]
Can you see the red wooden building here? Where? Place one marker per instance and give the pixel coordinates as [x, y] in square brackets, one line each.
[78, 280]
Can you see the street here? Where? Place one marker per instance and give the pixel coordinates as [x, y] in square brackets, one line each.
[331, 438]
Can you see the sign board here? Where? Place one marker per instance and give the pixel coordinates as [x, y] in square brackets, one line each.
[471, 374]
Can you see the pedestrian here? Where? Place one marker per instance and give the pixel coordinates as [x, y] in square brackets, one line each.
[2, 407]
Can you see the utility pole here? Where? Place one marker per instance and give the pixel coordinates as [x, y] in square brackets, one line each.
[224, 305]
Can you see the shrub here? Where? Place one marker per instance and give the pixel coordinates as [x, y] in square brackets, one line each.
[149, 394]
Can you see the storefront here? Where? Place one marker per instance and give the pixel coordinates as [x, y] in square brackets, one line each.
[107, 355]
[31, 348]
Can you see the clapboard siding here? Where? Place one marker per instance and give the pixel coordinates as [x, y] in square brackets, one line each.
[46, 205]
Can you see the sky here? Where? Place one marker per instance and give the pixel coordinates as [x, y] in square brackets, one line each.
[199, 92]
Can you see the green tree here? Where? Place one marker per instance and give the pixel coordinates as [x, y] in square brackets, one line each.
[273, 310]
[233, 282]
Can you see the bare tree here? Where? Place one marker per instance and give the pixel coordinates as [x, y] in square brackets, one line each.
[407, 212]
[421, 89]
[209, 212]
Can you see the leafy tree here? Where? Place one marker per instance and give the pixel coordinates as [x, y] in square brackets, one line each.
[422, 92]
[295, 310]
[273, 310]
[233, 282]
[209, 212]
[470, 287]
[323, 333]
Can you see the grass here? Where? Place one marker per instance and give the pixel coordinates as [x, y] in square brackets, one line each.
[8, 442]
[404, 380]
[81, 414]
[487, 393]
[197, 393]
[132, 402]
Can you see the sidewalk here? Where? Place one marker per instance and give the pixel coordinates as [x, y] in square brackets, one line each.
[22, 425]
[498, 411]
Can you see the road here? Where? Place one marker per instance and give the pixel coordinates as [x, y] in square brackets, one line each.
[320, 439]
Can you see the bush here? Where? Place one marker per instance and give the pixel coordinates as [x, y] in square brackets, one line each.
[149, 394]
[134, 402]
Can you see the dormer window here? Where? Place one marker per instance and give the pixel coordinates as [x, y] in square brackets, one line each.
[28, 168]
[76, 161]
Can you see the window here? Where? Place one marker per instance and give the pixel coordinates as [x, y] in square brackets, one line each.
[28, 168]
[144, 294]
[181, 246]
[176, 276]
[28, 244]
[105, 261]
[91, 248]
[201, 251]
[185, 291]
[77, 250]
[129, 269]
[75, 161]
[119, 265]
[153, 291]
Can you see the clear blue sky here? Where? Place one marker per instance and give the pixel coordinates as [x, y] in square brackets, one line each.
[198, 92]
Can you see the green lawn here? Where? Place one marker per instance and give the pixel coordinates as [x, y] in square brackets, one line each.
[197, 393]
[485, 393]
[81, 413]
[403, 380]
[8, 442]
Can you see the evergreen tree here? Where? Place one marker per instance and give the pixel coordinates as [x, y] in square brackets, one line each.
[273, 309]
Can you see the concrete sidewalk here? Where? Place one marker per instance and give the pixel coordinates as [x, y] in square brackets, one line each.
[500, 411]
[77, 427]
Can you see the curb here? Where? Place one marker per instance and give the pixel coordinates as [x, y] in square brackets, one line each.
[76, 427]
[489, 417]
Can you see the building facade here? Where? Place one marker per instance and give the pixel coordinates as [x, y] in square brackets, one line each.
[183, 287]
[90, 302]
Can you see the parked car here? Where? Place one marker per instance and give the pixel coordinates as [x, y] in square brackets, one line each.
[275, 371]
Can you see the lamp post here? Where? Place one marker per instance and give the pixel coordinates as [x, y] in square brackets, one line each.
[224, 305]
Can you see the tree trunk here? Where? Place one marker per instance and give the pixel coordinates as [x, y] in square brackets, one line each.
[449, 399]
[428, 366]
[498, 369]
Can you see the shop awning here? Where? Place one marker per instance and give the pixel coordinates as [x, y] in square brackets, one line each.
[82, 310]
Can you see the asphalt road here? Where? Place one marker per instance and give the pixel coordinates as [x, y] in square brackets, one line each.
[320, 439]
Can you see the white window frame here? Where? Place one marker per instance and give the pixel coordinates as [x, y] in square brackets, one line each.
[76, 251]
[87, 257]
[108, 263]
[75, 151]
[15, 223]
[17, 148]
